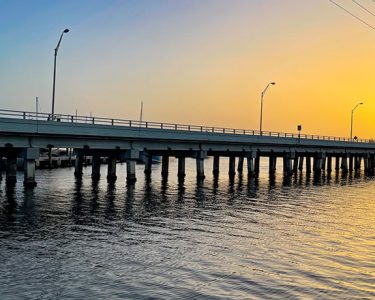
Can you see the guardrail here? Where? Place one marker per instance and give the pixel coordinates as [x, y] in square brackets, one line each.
[165, 126]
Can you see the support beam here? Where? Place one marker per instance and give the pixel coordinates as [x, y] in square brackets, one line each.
[272, 163]
[232, 166]
[130, 171]
[78, 166]
[337, 163]
[111, 173]
[95, 170]
[357, 162]
[344, 163]
[148, 162]
[300, 165]
[200, 156]
[216, 165]
[351, 163]
[257, 165]
[11, 168]
[165, 165]
[329, 164]
[29, 173]
[240, 164]
[295, 164]
[181, 167]
[30, 155]
[250, 166]
[308, 164]
[288, 162]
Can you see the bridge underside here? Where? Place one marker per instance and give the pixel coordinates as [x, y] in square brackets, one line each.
[25, 138]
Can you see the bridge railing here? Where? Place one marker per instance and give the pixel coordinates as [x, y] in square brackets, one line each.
[165, 126]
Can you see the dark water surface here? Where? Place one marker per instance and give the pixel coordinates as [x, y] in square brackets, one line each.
[295, 238]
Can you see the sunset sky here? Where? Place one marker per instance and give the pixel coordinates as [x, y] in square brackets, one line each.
[201, 62]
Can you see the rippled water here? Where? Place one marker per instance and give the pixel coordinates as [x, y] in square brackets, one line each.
[241, 239]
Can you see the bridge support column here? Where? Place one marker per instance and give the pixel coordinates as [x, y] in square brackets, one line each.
[272, 163]
[200, 156]
[329, 164]
[324, 161]
[165, 165]
[257, 164]
[300, 165]
[337, 163]
[287, 163]
[1, 168]
[78, 164]
[344, 163]
[30, 155]
[95, 169]
[148, 162]
[216, 165]
[130, 172]
[318, 162]
[240, 164]
[366, 161]
[357, 162]
[11, 168]
[232, 166]
[295, 164]
[351, 158]
[111, 171]
[308, 164]
[181, 167]
[250, 163]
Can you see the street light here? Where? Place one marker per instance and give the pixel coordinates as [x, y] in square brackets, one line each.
[351, 120]
[261, 105]
[54, 74]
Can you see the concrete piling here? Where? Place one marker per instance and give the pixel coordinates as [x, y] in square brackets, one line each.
[216, 165]
[111, 171]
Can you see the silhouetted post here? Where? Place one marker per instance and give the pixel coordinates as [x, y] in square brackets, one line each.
[257, 165]
[308, 164]
[351, 158]
[295, 164]
[165, 165]
[111, 171]
[181, 167]
[78, 164]
[232, 166]
[11, 169]
[329, 164]
[29, 155]
[300, 165]
[130, 171]
[216, 165]
[344, 163]
[148, 162]
[337, 163]
[95, 169]
[200, 156]
[272, 163]
[240, 164]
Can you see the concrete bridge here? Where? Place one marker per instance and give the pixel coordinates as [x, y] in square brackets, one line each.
[23, 134]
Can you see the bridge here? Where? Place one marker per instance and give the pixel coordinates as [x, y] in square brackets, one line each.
[23, 134]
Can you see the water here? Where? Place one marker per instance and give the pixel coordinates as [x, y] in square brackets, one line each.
[241, 239]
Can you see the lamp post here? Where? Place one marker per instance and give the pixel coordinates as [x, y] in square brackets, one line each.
[261, 105]
[351, 120]
[54, 74]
